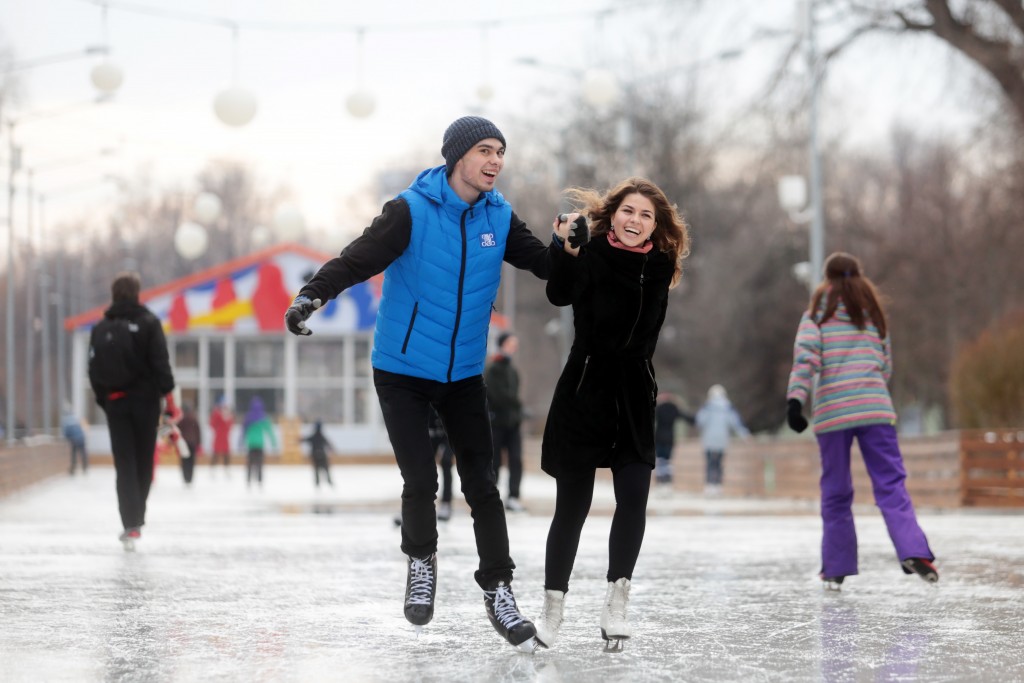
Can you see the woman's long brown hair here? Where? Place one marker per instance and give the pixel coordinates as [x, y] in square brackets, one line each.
[844, 281]
[671, 234]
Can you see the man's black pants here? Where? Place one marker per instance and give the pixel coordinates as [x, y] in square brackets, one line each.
[405, 402]
[133, 422]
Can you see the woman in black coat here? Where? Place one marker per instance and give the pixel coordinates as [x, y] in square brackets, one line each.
[602, 412]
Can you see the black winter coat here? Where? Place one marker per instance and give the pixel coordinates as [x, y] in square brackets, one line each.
[602, 412]
[154, 378]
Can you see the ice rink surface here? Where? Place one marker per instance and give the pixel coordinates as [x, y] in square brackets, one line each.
[290, 584]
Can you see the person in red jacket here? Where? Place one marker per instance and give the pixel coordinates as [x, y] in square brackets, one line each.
[221, 420]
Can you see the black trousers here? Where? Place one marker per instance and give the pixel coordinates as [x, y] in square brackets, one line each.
[572, 504]
[320, 464]
[405, 402]
[254, 466]
[714, 466]
[510, 441]
[132, 421]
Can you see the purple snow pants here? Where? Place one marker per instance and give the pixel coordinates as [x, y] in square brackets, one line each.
[884, 464]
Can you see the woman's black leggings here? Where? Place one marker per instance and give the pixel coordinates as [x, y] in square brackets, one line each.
[572, 504]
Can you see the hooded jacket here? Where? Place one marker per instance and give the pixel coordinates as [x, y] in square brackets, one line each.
[154, 378]
[717, 419]
[602, 411]
[441, 259]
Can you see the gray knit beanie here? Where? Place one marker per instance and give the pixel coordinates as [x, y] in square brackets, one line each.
[462, 135]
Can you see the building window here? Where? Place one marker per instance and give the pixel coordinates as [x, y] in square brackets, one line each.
[217, 363]
[318, 359]
[259, 358]
[186, 354]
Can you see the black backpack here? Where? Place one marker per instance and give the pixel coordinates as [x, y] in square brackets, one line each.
[113, 358]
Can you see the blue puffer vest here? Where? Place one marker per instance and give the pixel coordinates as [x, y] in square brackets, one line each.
[435, 307]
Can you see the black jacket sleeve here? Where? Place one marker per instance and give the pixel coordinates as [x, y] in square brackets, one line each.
[524, 251]
[568, 278]
[366, 256]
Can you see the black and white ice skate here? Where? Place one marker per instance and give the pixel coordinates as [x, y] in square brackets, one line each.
[420, 588]
[922, 567]
[507, 620]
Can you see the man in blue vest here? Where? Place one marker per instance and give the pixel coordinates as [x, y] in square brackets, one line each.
[441, 244]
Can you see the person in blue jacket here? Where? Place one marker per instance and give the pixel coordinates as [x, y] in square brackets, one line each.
[441, 244]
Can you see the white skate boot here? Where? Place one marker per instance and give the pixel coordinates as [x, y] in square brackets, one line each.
[615, 628]
[551, 618]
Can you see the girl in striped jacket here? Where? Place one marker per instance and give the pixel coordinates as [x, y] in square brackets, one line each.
[842, 340]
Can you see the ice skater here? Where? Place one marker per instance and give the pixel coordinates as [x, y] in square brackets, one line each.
[717, 420]
[843, 341]
[319, 447]
[502, 380]
[602, 412]
[666, 413]
[130, 370]
[441, 244]
[71, 427]
[222, 419]
[257, 432]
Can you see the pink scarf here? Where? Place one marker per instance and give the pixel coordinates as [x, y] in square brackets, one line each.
[642, 249]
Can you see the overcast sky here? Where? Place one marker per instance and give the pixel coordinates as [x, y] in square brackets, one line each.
[424, 63]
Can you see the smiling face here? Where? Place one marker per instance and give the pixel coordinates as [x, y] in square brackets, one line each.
[478, 168]
[634, 220]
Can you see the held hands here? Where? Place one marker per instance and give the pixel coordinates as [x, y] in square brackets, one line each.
[794, 415]
[298, 313]
[572, 227]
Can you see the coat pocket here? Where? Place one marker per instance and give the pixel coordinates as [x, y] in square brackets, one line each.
[412, 321]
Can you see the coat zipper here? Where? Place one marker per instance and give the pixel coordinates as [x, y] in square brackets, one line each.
[412, 321]
[462, 280]
[640, 309]
[586, 362]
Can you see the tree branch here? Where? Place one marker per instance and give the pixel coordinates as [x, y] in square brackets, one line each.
[1015, 10]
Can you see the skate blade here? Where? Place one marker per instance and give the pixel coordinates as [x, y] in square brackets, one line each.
[129, 546]
[417, 630]
[529, 646]
[613, 643]
[832, 587]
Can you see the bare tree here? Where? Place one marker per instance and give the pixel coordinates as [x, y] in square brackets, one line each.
[990, 33]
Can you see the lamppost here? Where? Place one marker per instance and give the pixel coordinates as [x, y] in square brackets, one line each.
[793, 189]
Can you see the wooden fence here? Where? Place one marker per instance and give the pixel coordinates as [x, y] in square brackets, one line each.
[992, 467]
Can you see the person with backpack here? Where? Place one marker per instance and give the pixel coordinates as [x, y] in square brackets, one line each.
[130, 371]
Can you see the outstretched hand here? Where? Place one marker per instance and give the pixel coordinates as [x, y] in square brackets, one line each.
[795, 415]
[298, 313]
[579, 232]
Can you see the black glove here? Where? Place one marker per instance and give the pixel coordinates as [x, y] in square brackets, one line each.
[580, 234]
[298, 313]
[795, 415]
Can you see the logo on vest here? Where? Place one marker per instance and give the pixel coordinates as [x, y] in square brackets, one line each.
[487, 240]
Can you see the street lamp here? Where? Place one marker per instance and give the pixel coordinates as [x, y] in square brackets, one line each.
[793, 189]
